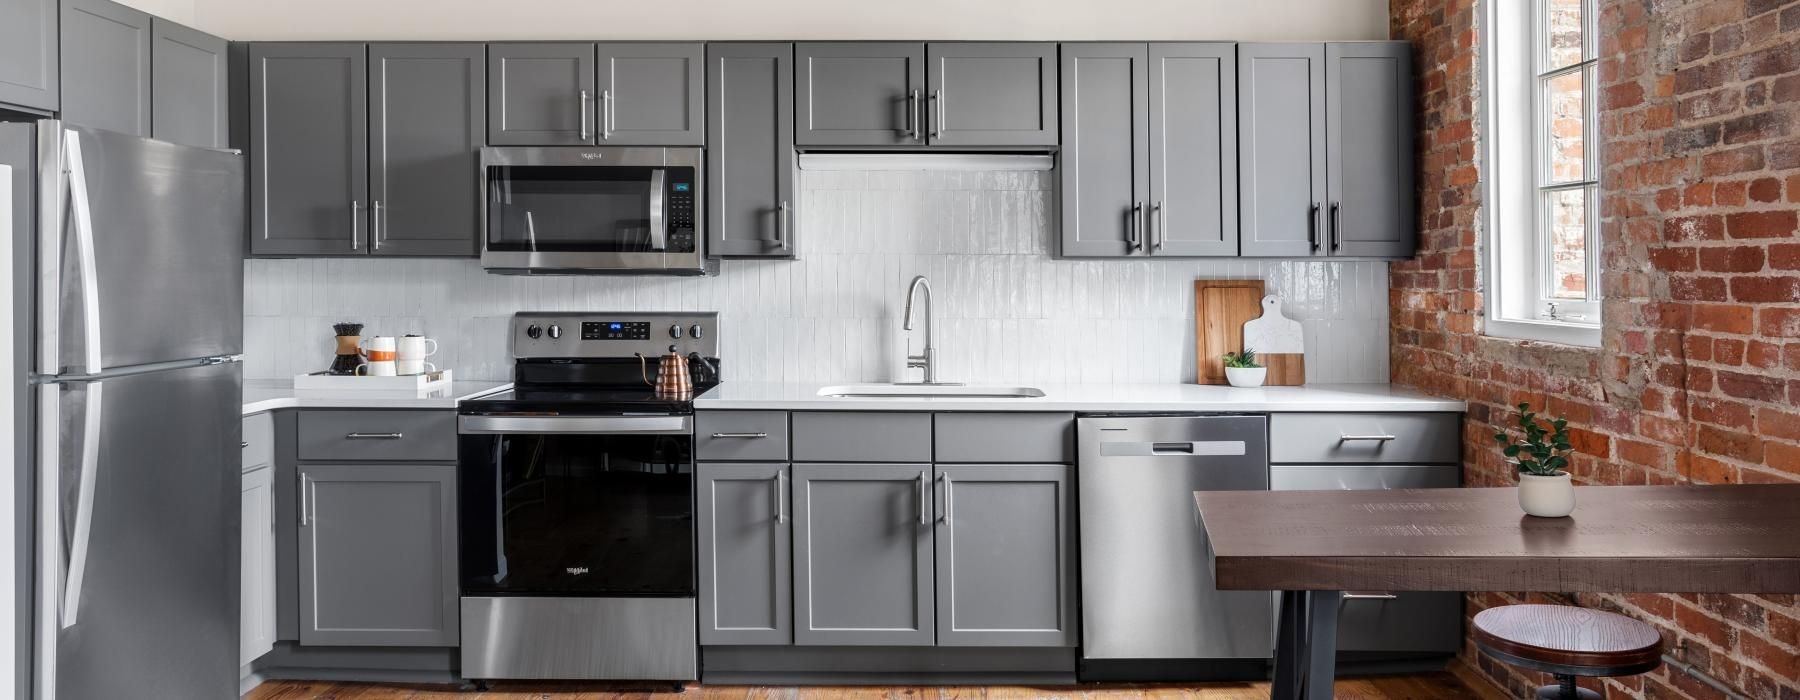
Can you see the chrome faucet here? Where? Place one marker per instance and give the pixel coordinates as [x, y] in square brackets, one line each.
[928, 360]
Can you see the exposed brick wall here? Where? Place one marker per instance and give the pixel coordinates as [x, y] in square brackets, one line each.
[1698, 376]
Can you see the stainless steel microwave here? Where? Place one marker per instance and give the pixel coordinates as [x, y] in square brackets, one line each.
[580, 209]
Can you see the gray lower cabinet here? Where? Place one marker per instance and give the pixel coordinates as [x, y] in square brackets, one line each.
[745, 551]
[651, 94]
[1104, 165]
[189, 86]
[309, 154]
[1005, 551]
[378, 555]
[28, 54]
[106, 66]
[752, 201]
[1369, 133]
[541, 94]
[992, 94]
[427, 124]
[864, 93]
[863, 562]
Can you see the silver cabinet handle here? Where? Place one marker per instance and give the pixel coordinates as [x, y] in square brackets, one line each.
[949, 498]
[1159, 227]
[1312, 228]
[1136, 239]
[722, 436]
[1369, 596]
[244, 445]
[1337, 237]
[606, 114]
[1371, 438]
[912, 115]
[355, 225]
[375, 224]
[940, 128]
[303, 500]
[582, 111]
[374, 436]
[925, 497]
[780, 498]
[781, 224]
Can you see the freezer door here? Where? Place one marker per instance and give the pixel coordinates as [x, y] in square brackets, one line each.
[152, 245]
[148, 534]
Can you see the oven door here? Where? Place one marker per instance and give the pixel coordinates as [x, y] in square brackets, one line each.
[590, 506]
[596, 209]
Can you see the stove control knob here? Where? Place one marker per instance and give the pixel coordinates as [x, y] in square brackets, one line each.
[555, 331]
[533, 331]
[694, 331]
[675, 331]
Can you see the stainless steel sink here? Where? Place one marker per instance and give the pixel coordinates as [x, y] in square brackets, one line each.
[916, 391]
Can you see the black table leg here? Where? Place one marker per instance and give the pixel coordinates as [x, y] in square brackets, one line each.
[1290, 647]
[1306, 648]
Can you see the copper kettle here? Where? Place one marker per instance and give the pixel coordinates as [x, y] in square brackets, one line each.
[672, 378]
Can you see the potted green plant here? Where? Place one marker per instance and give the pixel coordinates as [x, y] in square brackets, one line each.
[1545, 489]
[1242, 369]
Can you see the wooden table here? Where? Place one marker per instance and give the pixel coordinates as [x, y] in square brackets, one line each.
[1314, 545]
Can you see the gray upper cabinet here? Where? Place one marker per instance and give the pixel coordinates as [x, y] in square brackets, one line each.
[1104, 168]
[106, 66]
[28, 54]
[1193, 150]
[863, 555]
[378, 560]
[992, 94]
[189, 93]
[427, 123]
[541, 94]
[1005, 556]
[751, 202]
[309, 165]
[746, 558]
[867, 93]
[651, 94]
[1369, 129]
[1281, 102]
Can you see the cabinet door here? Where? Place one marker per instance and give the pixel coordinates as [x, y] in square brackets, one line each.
[1001, 94]
[427, 122]
[28, 54]
[378, 555]
[1005, 565]
[1193, 150]
[862, 555]
[541, 94]
[1281, 131]
[189, 93]
[256, 600]
[1369, 134]
[652, 94]
[750, 196]
[106, 66]
[746, 557]
[1105, 169]
[309, 155]
[865, 93]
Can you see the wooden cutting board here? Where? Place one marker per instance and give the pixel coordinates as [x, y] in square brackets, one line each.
[1221, 307]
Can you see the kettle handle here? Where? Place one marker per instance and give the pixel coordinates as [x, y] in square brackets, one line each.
[644, 369]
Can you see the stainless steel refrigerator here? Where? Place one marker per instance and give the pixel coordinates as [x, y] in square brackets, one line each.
[135, 319]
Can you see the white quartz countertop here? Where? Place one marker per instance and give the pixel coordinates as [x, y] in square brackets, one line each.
[269, 394]
[1094, 398]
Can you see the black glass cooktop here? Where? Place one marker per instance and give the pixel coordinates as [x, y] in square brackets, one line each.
[572, 400]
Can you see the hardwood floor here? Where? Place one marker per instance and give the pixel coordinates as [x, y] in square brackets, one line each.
[1417, 687]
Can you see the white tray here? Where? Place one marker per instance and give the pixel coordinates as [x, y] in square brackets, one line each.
[420, 383]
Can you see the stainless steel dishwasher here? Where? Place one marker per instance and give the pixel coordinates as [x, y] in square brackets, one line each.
[1147, 593]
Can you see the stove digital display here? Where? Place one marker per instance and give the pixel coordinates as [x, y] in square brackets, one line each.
[615, 330]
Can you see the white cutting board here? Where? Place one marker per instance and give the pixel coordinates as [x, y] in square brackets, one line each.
[1273, 333]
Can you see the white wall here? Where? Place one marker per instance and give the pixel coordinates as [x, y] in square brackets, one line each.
[1006, 310]
[790, 19]
[183, 11]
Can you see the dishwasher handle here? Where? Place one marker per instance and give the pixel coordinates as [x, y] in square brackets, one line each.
[1193, 448]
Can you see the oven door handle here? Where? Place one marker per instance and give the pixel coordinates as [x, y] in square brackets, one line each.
[575, 425]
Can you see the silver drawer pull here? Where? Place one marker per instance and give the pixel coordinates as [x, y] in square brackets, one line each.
[244, 444]
[1375, 438]
[721, 436]
[374, 436]
[1370, 596]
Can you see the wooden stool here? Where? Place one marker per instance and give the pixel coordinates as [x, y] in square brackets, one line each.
[1567, 642]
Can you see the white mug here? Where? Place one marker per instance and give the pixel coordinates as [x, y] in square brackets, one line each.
[377, 368]
[379, 348]
[413, 347]
[406, 367]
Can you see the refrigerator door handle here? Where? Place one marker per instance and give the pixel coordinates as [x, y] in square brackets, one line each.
[82, 212]
[84, 505]
[49, 535]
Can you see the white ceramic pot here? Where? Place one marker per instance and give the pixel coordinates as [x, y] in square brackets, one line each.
[1547, 496]
[1246, 376]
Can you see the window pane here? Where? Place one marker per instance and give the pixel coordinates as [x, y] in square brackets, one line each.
[1567, 210]
[1563, 33]
[1564, 97]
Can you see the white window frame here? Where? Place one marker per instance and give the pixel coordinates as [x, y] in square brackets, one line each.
[1516, 176]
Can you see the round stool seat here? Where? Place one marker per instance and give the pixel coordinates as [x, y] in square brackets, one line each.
[1568, 641]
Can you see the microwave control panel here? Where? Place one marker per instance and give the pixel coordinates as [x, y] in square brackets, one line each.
[681, 214]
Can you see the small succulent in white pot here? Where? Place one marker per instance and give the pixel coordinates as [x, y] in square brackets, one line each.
[1242, 369]
[1545, 489]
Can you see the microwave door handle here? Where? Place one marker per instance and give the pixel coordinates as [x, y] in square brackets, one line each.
[658, 236]
[530, 232]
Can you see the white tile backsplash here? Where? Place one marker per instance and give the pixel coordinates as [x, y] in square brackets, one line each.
[1006, 309]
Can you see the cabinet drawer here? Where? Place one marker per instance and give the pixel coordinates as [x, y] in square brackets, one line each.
[1426, 621]
[862, 437]
[1370, 477]
[1041, 438]
[739, 436]
[259, 440]
[1383, 438]
[418, 436]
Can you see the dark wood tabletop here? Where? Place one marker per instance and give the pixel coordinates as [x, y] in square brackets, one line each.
[1662, 539]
